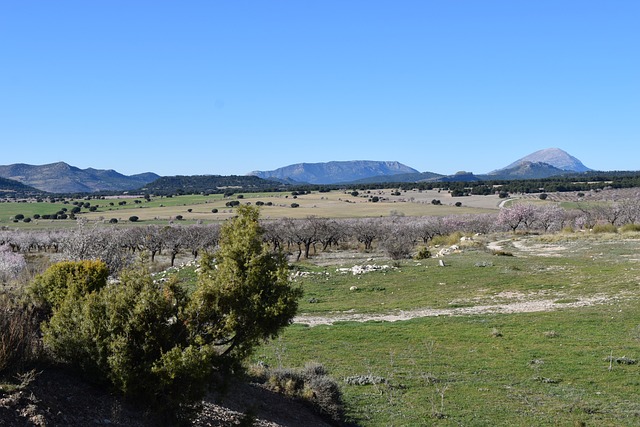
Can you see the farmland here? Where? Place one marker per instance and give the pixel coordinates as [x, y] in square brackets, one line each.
[192, 208]
[507, 328]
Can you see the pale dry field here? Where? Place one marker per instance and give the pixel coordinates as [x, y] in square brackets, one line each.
[336, 204]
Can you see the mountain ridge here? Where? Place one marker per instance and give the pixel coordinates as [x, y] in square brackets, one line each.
[336, 171]
[61, 177]
[555, 157]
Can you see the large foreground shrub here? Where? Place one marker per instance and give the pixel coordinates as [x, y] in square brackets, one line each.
[157, 344]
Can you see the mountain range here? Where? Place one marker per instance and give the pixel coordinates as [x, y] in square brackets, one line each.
[335, 172]
[541, 164]
[63, 178]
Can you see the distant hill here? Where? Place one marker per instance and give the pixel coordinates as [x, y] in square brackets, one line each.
[461, 176]
[10, 188]
[209, 184]
[63, 178]
[336, 172]
[526, 170]
[403, 177]
[552, 156]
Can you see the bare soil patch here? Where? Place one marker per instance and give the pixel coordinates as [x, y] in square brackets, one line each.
[517, 306]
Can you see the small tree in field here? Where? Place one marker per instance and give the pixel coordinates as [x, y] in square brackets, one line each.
[248, 297]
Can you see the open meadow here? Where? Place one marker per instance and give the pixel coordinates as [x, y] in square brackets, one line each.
[548, 336]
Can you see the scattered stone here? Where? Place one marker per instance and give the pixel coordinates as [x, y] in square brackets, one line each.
[484, 264]
[365, 380]
[361, 269]
[621, 360]
[448, 251]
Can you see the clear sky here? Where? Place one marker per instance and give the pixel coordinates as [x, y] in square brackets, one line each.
[227, 87]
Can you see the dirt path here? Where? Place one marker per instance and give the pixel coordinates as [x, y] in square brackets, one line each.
[513, 307]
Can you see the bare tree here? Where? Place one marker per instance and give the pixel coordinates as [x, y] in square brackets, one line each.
[174, 239]
[274, 233]
[90, 242]
[152, 239]
[366, 230]
[398, 237]
[304, 233]
[428, 227]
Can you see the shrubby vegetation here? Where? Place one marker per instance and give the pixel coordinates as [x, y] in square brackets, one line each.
[158, 343]
[138, 335]
[312, 384]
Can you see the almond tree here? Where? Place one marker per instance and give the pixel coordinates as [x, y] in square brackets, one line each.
[550, 217]
[152, 239]
[91, 243]
[514, 216]
[398, 237]
[304, 233]
[365, 231]
[274, 233]
[173, 239]
[330, 233]
[428, 227]
[11, 263]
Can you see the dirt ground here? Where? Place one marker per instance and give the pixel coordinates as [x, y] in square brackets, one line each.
[58, 398]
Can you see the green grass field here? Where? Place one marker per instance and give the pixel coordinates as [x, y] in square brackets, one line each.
[545, 368]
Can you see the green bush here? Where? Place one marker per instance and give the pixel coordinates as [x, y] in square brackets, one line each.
[423, 253]
[81, 277]
[131, 335]
[604, 228]
[448, 240]
[627, 228]
[156, 343]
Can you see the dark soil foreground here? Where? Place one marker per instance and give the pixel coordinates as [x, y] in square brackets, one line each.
[55, 398]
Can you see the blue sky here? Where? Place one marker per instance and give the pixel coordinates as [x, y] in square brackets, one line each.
[227, 87]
